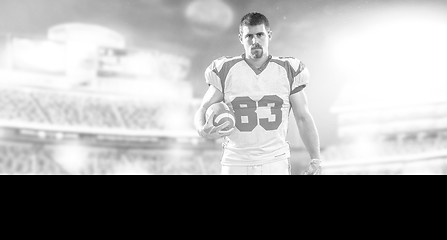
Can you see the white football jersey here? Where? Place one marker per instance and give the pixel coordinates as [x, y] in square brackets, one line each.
[260, 99]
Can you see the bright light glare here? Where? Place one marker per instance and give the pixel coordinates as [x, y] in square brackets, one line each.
[73, 158]
[407, 46]
[41, 55]
[396, 55]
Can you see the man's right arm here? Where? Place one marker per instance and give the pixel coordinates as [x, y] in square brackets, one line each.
[204, 126]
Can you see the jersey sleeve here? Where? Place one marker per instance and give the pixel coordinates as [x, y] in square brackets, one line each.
[211, 77]
[301, 77]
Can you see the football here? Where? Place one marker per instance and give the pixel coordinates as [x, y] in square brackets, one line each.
[222, 115]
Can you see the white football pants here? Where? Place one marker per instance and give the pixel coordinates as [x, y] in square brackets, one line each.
[277, 168]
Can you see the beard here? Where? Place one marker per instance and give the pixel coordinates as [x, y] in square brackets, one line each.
[257, 52]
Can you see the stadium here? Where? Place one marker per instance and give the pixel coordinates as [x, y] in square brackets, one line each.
[75, 103]
[84, 96]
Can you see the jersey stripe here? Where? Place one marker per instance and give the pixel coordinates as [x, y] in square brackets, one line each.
[223, 73]
[300, 69]
[291, 73]
[289, 69]
[298, 89]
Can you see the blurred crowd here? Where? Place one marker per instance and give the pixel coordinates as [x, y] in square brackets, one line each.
[98, 111]
[413, 153]
[48, 109]
[75, 109]
[40, 159]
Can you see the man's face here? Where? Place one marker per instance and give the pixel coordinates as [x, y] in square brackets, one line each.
[255, 40]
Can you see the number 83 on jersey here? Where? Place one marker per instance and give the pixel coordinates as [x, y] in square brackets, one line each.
[247, 119]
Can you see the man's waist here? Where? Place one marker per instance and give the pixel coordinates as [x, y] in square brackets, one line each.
[253, 157]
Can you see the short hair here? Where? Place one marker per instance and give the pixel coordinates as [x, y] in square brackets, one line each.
[254, 19]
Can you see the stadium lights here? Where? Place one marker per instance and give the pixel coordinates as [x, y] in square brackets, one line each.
[209, 17]
[393, 61]
[397, 56]
[72, 158]
[42, 135]
[59, 136]
[81, 32]
[41, 55]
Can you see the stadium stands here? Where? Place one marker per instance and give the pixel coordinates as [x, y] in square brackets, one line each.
[84, 110]
[411, 153]
[83, 102]
[18, 106]
[112, 121]
[46, 159]
[408, 146]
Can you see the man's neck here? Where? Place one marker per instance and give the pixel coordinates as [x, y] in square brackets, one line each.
[257, 62]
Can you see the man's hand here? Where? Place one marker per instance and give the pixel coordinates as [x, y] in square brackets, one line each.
[209, 131]
[314, 168]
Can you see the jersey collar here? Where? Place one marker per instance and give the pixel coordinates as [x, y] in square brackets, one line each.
[258, 71]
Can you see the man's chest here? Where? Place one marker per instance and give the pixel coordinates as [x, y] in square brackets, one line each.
[245, 82]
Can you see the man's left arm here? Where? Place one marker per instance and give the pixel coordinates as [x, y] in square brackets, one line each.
[308, 130]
